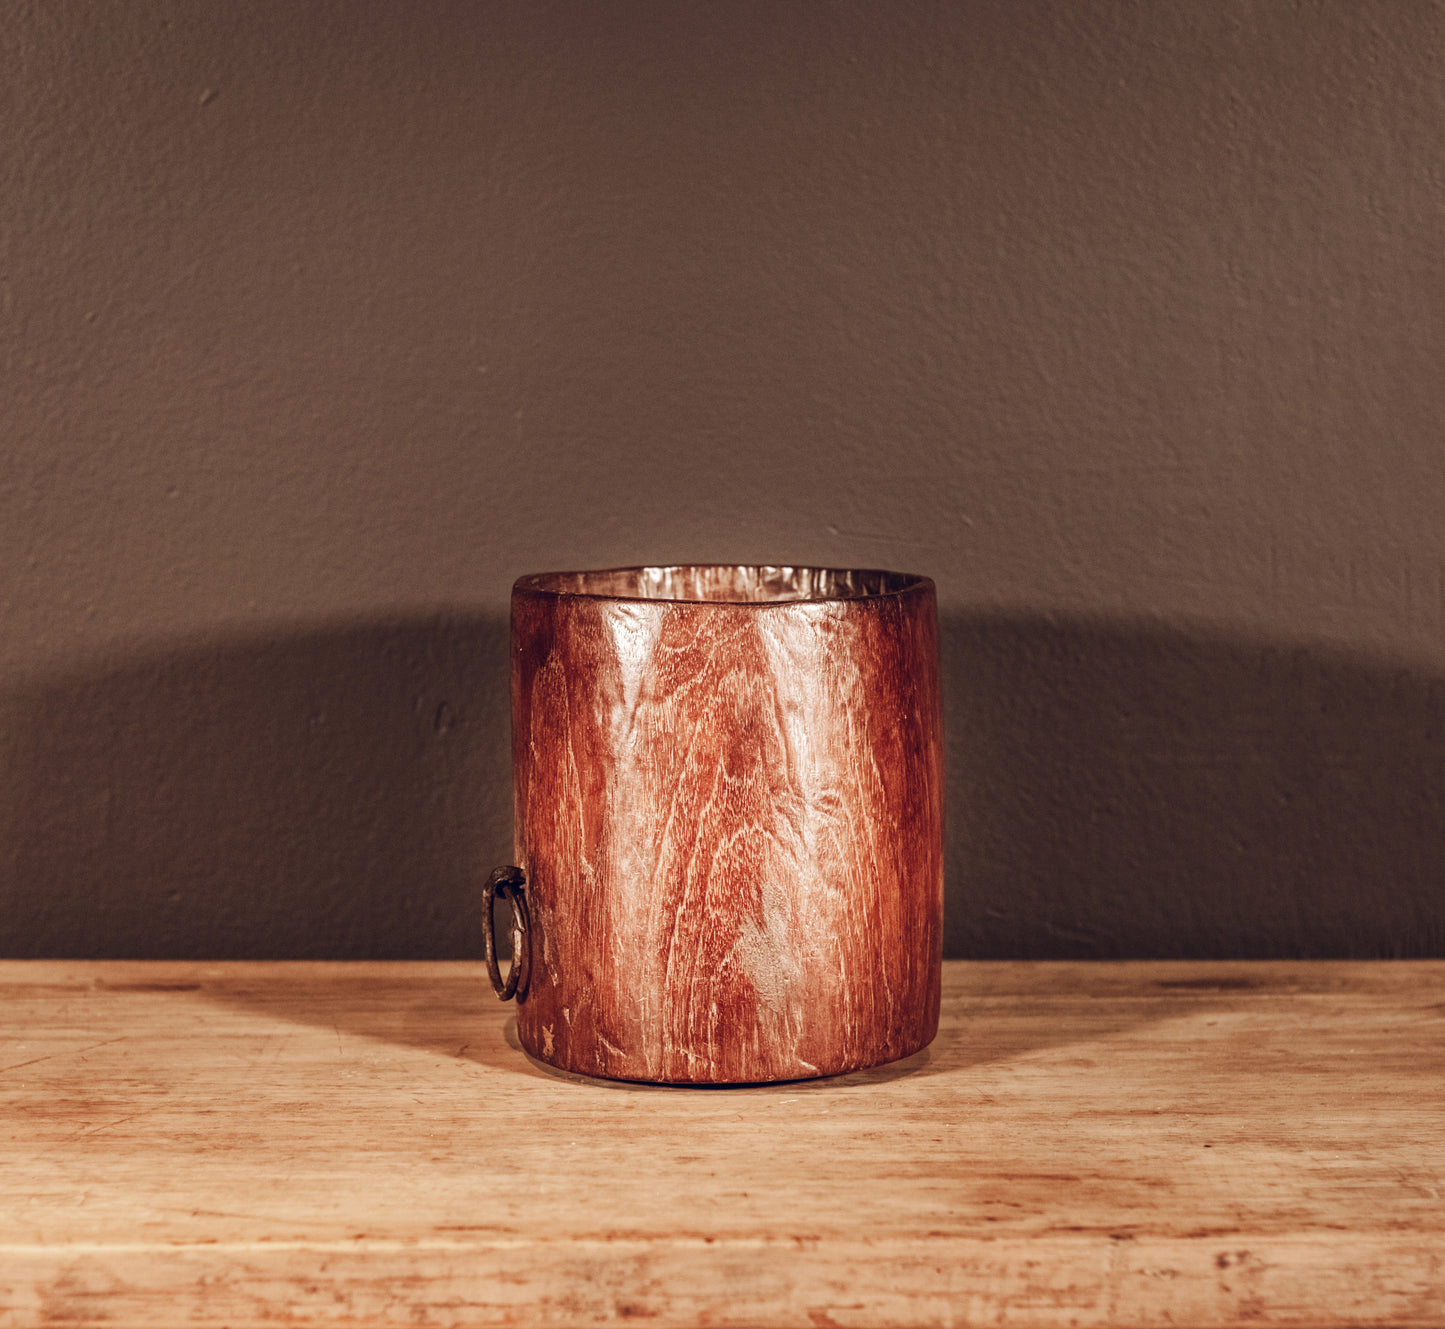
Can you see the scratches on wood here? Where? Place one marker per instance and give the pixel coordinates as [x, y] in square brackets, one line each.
[1041, 1163]
[70, 1052]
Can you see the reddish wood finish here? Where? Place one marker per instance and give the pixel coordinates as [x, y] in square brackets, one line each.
[729, 810]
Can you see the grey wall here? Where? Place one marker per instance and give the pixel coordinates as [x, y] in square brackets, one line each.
[323, 321]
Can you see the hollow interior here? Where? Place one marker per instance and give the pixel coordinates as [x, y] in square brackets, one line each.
[724, 583]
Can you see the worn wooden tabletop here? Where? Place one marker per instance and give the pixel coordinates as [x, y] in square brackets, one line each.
[1084, 1144]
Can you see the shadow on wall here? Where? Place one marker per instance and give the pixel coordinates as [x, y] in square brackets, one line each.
[1129, 790]
[331, 793]
[1115, 790]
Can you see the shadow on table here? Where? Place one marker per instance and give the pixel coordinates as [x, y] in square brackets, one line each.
[1003, 1012]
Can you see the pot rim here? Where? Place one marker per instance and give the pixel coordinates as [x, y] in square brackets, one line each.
[791, 584]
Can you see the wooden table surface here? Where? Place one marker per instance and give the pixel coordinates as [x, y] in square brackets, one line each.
[1084, 1144]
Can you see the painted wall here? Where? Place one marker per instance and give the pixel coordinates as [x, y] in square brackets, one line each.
[324, 320]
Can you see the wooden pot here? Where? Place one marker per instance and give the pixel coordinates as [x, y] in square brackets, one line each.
[729, 803]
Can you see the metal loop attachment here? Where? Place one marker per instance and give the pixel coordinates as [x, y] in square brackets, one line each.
[508, 883]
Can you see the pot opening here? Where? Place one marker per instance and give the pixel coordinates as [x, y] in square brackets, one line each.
[723, 583]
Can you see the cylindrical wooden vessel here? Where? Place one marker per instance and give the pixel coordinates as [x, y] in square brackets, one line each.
[729, 802]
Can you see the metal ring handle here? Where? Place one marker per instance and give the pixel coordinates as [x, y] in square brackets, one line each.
[508, 882]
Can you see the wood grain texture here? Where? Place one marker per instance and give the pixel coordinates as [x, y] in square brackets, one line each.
[1143, 1144]
[729, 810]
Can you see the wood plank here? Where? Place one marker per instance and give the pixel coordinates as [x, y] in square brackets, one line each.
[1120, 1144]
